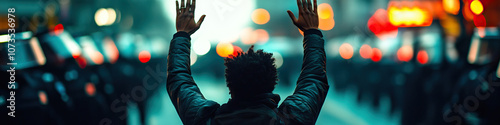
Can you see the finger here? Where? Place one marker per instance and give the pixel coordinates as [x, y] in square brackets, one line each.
[183, 7]
[290, 13]
[316, 6]
[304, 5]
[309, 6]
[299, 5]
[201, 20]
[188, 6]
[193, 5]
[177, 9]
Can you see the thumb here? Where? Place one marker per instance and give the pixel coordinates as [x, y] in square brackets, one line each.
[290, 13]
[201, 20]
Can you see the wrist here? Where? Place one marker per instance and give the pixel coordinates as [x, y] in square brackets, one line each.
[313, 31]
[182, 34]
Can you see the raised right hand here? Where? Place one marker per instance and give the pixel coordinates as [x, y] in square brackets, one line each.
[308, 16]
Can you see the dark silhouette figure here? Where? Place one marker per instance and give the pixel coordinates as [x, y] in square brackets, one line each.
[251, 77]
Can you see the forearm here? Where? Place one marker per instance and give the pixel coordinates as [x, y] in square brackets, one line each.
[178, 67]
[312, 85]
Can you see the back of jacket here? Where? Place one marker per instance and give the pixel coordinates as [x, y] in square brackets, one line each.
[302, 107]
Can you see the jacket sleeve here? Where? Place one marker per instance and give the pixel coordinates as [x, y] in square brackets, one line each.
[189, 102]
[304, 105]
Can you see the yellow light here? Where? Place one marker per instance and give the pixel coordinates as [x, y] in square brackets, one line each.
[224, 49]
[476, 7]
[260, 16]
[451, 6]
[346, 51]
[105, 17]
[101, 17]
[111, 16]
[325, 11]
[409, 17]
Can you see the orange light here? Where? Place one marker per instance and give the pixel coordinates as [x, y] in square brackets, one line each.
[405, 53]
[409, 17]
[476, 7]
[144, 56]
[43, 97]
[366, 51]
[377, 55]
[326, 24]
[111, 50]
[97, 57]
[260, 16]
[262, 35]
[325, 14]
[300, 31]
[422, 57]
[467, 12]
[451, 6]
[346, 51]
[90, 89]
[479, 21]
[380, 26]
[325, 11]
[224, 49]
[37, 51]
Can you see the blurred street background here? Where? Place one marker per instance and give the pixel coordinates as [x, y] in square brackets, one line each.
[389, 62]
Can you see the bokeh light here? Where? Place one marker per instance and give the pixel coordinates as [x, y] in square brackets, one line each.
[479, 21]
[346, 51]
[262, 35]
[451, 6]
[201, 46]
[144, 56]
[377, 55]
[380, 26]
[224, 49]
[101, 17]
[260, 16]
[111, 52]
[278, 59]
[409, 17]
[43, 97]
[405, 53]
[248, 36]
[104, 17]
[193, 58]
[111, 16]
[326, 24]
[58, 29]
[476, 7]
[37, 51]
[365, 51]
[236, 50]
[325, 11]
[422, 57]
[90, 89]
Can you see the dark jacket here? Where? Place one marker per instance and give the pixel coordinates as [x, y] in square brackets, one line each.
[302, 107]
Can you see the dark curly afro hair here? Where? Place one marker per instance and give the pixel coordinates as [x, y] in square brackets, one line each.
[250, 73]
